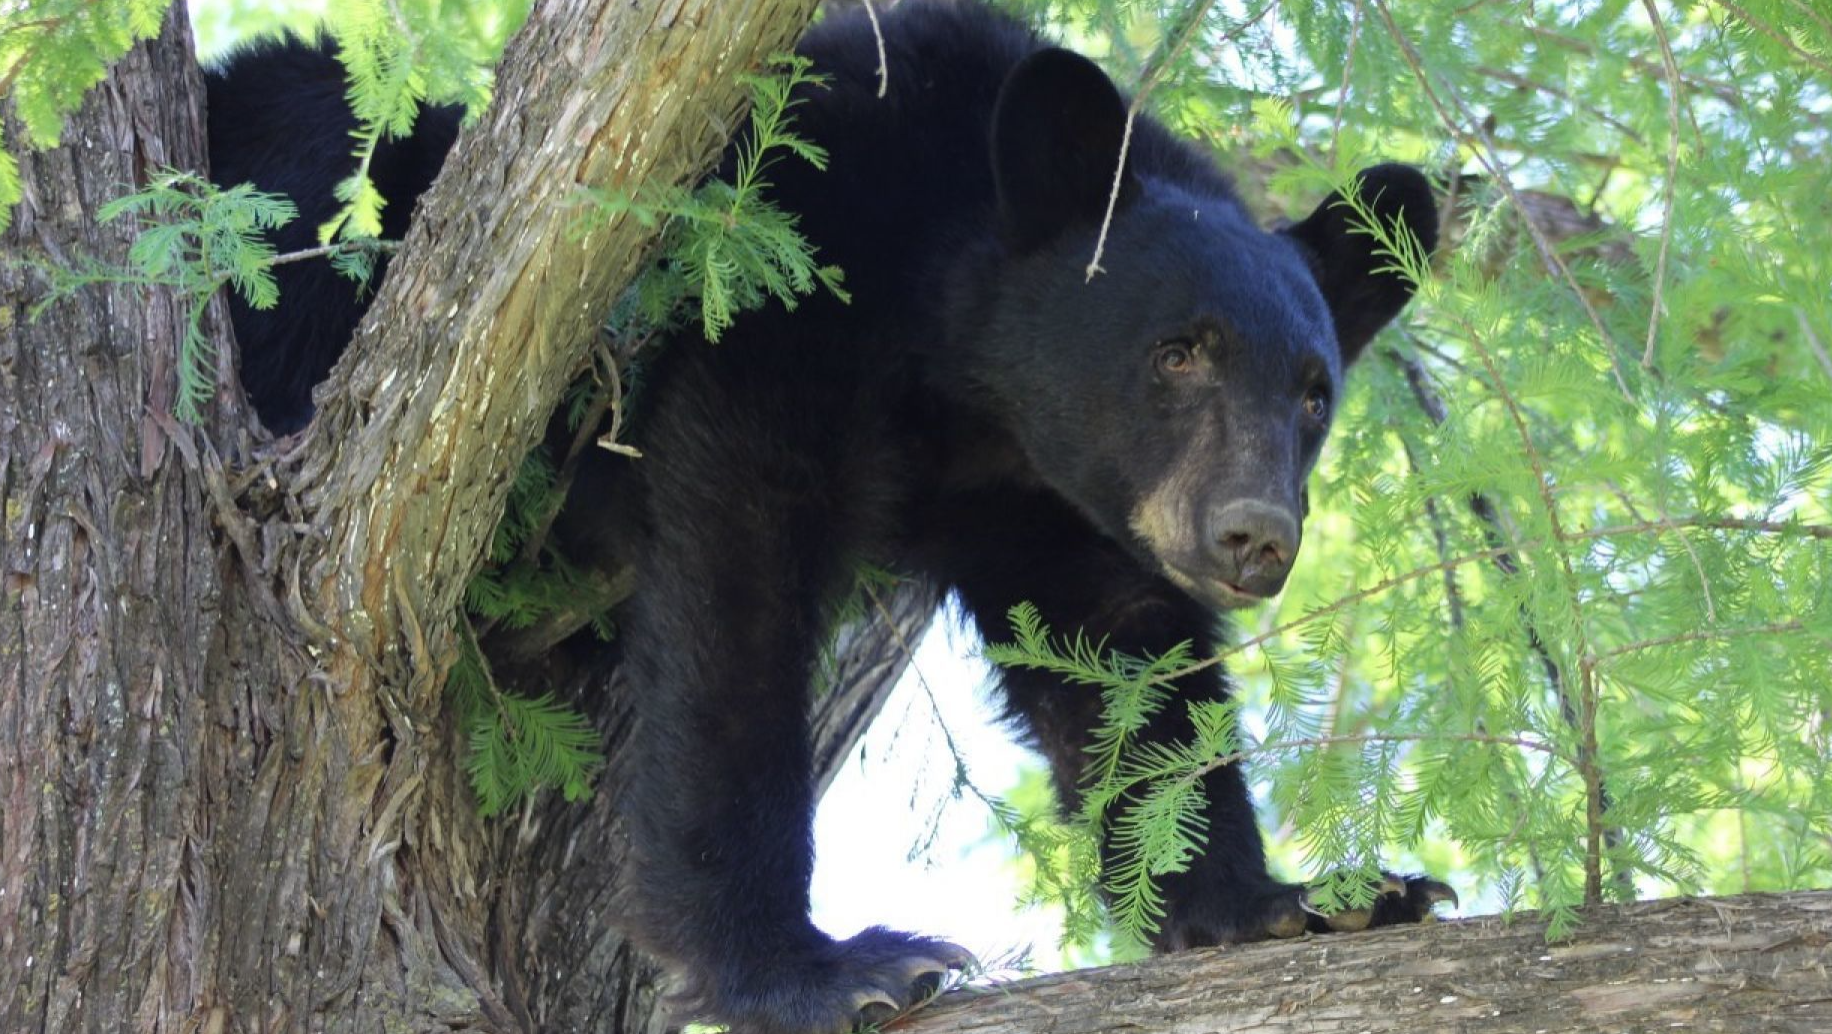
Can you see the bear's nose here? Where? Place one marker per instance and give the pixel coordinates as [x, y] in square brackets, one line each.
[1253, 543]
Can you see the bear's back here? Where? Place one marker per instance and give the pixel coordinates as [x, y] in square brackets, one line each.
[908, 196]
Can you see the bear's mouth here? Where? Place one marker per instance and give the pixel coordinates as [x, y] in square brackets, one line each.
[1232, 591]
[1228, 596]
[1216, 592]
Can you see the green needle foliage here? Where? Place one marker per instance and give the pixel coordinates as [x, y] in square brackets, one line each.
[725, 247]
[1561, 629]
[196, 238]
[1152, 801]
[518, 745]
[526, 577]
[400, 54]
[51, 53]
[193, 238]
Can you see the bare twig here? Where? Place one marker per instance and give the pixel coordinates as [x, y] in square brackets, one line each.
[1775, 34]
[1824, 23]
[1813, 341]
[608, 440]
[1814, 531]
[1666, 220]
[877, 31]
[1375, 737]
[1524, 83]
[603, 399]
[1173, 46]
[1726, 92]
[325, 251]
[591, 601]
[1348, 65]
[962, 777]
[1777, 628]
[1483, 153]
[1442, 356]
[1113, 196]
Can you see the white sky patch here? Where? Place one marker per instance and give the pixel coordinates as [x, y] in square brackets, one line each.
[894, 791]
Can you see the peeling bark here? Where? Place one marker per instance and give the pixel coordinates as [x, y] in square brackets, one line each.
[1758, 962]
[117, 717]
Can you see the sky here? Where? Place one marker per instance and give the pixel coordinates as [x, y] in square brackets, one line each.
[875, 860]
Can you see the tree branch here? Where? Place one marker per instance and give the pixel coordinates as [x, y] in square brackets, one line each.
[452, 376]
[1750, 963]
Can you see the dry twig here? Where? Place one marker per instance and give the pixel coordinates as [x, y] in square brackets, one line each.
[1179, 39]
[1666, 219]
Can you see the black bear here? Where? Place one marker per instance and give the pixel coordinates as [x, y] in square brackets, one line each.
[1128, 452]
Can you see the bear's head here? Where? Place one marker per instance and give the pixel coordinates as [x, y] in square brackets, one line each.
[1181, 395]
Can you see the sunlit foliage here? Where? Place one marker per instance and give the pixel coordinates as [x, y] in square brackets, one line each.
[1561, 624]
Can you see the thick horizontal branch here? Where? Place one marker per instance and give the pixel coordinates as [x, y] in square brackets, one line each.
[1758, 962]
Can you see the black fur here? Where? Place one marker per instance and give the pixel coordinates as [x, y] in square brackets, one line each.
[981, 414]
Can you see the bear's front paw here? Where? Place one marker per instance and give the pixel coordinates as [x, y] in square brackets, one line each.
[833, 986]
[1270, 910]
[1398, 900]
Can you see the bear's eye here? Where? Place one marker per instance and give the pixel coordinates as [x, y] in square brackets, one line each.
[1316, 404]
[1175, 357]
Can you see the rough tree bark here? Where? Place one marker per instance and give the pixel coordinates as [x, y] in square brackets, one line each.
[1744, 964]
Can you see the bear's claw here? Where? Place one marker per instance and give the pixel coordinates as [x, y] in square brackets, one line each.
[873, 1006]
[1397, 900]
[927, 973]
[1436, 892]
[832, 987]
[1266, 910]
[917, 976]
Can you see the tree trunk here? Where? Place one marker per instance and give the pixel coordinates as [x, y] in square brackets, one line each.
[1751, 963]
[137, 699]
[229, 800]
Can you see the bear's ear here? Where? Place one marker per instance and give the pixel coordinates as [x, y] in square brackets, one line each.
[1055, 145]
[1362, 294]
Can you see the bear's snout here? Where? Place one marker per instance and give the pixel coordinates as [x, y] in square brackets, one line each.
[1252, 544]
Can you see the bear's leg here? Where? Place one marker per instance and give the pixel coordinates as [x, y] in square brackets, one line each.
[751, 525]
[1032, 547]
